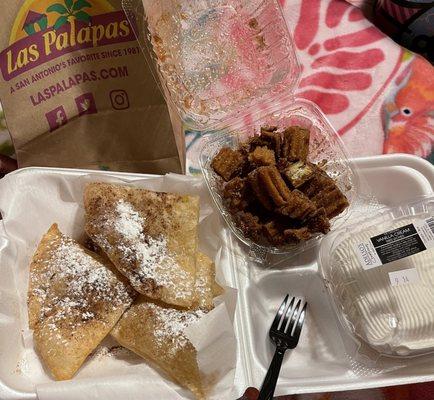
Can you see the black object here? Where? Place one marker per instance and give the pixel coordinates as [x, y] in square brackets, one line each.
[285, 333]
[408, 22]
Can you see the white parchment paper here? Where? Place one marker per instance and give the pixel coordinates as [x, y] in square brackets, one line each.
[30, 201]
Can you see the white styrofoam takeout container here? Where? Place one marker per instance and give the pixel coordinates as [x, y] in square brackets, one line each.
[319, 363]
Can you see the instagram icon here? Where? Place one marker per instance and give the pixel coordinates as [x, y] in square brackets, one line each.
[119, 99]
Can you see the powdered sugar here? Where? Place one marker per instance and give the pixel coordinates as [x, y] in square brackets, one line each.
[170, 325]
[129, 222]
[103, 352]
[73, 287]
[202, 288]
[149, 256]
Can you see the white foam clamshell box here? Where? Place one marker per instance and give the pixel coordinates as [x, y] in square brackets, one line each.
[319, 363]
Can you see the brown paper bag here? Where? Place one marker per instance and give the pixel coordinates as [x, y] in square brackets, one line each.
[77, 92]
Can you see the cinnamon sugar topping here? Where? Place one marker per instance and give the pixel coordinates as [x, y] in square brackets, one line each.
[75, 287]
[154, 264]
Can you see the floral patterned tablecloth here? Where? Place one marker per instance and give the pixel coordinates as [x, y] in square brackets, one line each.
[378, 96]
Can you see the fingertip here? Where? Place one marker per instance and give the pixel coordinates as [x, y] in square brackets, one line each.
[251, 394]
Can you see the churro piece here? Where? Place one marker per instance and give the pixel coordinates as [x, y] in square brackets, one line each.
[262, 156]
[236, 193]
[298, 206]
[273, 234]
[228, 163]
[296, 143]
[323, 191]
[259, 192]
[273, 138]
[298, 173]
[297, 235]
[333, 201]
[318, 182]
[319, 222]
[274, 185]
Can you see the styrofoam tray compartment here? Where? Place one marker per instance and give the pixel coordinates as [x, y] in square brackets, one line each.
[318, 363]
[33, 199]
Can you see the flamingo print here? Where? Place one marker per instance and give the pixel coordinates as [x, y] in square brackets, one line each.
[408, 113]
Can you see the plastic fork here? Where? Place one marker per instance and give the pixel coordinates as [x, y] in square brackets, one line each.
[285, 333]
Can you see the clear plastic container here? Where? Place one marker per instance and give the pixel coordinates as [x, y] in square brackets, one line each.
[215, 58]
[325, 144]
[386, 308]
[229, 67]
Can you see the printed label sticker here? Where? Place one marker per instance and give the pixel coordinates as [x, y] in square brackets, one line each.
[396, 244]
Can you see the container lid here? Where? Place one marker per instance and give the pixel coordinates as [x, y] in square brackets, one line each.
[380, 273]
[214, 59]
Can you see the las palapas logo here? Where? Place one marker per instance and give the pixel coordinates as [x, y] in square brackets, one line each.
[47, 29]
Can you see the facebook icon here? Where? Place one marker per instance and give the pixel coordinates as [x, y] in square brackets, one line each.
[56, 118]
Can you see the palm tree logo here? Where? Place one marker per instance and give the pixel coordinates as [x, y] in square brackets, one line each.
[34, 22]
[69, 11]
